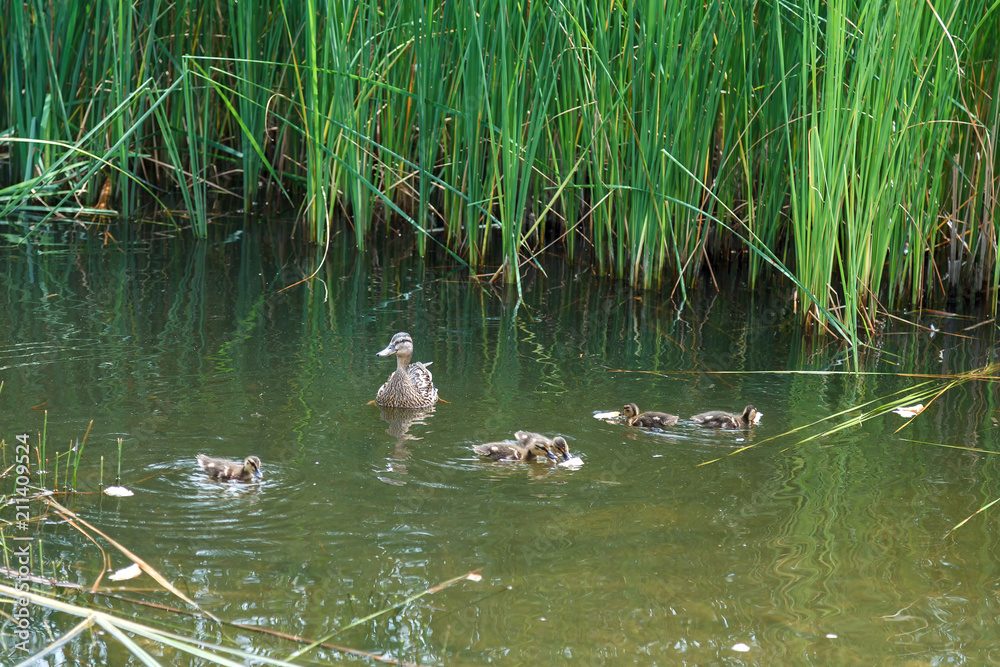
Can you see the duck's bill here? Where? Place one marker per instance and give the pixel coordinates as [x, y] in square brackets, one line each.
[386, 352]
[258, 474]
[552, 457]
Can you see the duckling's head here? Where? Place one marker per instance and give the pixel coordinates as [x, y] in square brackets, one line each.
[630, 410]
[560, 448]
[749, 414]
[252, 465]
[401, 344]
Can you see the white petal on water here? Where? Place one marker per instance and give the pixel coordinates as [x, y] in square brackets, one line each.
[911, 411]
[130, 572]
[741, 647]
[118, 491]
[574, 462]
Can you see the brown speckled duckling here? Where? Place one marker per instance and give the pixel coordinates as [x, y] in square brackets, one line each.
[508, 451]
[556, 445]
[225, 469]
[411, 384]
[647, 419]
[718, 419]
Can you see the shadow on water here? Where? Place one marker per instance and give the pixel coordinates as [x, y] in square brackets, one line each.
[828, 552]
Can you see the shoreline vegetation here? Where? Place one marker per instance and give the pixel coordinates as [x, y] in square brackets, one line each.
[849, 147]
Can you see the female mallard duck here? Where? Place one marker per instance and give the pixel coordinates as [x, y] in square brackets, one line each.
[224, 469]
[557, 445]
[647, 419]
[411, 384]
[719, 419]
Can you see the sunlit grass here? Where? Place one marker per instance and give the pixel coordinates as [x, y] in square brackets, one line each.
[136, 635]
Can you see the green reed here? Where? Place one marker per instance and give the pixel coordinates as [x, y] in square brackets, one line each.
[40, 449]
[118, 476]
[852, 144]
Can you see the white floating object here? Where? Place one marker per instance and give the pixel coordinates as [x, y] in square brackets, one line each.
[741, 647]
[573, 462]
[607, 415]
[472, 576]
[756, 420]
[831, 635]
[130, 572]
[911, 411]
[118, 492]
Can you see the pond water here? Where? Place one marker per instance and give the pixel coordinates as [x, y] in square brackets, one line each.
[799, 550]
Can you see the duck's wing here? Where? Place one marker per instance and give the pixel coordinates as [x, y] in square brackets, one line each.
[661, 419]
[498, 450]
[422, 380]
[418, 369]
[526, 439]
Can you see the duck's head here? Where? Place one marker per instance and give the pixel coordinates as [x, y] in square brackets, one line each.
[252, 464]
[401, 344]
[749, 414]
[630, 410]
[560, 448]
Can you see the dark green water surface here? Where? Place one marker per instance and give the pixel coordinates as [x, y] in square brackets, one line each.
[830, 551]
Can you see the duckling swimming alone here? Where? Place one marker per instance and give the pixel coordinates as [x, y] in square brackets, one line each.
[508, 451]
[225, 469]
[647, 419]
[411, 384]
[718, 419]
[556, 445]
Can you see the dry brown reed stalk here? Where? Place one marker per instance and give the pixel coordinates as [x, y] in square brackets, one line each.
[74, 520]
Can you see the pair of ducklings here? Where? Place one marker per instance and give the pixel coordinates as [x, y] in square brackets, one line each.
[530, 447]
[714, 419]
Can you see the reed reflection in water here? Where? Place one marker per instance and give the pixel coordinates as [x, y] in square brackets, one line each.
[827, 551]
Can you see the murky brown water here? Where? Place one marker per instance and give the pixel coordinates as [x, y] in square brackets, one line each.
[830, 551]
